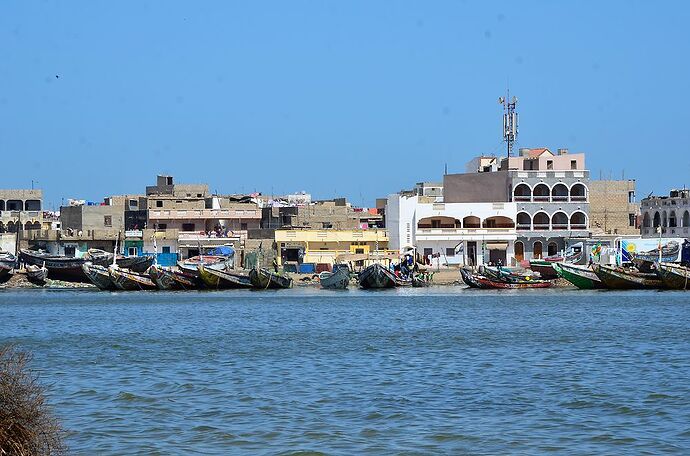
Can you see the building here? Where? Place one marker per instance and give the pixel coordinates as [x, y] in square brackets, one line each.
[668, 216]
[612, 207]
[324, 246]
[466, 233]
[331, 214]
[551, 192]
[88, 217]
[23, 207]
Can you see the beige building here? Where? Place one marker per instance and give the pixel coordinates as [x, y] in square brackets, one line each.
[612, 207]
[21, 206]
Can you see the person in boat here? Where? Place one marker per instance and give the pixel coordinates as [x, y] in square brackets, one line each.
[499, 264]
[275, 265]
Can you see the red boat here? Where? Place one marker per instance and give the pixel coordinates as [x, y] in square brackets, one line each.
[489, 283]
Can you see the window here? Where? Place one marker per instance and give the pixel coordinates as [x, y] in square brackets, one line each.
[131, 251]
[549, 164]
[133, 203]
[450, 251]
[188, 227]
[323, 225]
[573, 164]
[107, 220]
[436, 224]
[198, 195]
[428, 251]
[243, 226]
[159, 203]
[70, 251]
[166, 249]
[162, 226]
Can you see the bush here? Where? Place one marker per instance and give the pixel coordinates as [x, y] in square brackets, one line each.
[27, 426]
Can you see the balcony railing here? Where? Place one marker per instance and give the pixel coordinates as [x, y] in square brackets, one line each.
[549, 199]
[524, 226]
[541, 226]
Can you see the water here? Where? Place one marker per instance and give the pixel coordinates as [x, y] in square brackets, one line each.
[417, 371]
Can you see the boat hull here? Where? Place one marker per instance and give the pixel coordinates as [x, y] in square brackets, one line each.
[674, 276]
[469, 278]
[130, 281]
[544, 268]
[163, 278]
[338, 280]
[59, 268]
[499, 285]
[581, 277]
[99, 276]
[135, 263]
[616, 279]
[36, 275]
[263, 279]
[215, 279]
[375, 277]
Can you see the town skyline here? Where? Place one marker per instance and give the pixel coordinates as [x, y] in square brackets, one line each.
[97, 99]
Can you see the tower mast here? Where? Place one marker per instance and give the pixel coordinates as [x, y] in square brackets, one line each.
[510, 121]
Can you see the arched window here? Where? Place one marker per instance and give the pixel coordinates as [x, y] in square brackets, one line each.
[646, 222]
[540, 221]
[686, 218]
[36, 225]
[519, 251]
[524, 221]
[11, 228]
[578, 192]
[438, 222]
[578, 221]
[471, 222]
[559, 221]
[537, 250]
[27, 226]
[522, 192]
[664, 219]
[541, 192]
[498, 222]
[672, 219]
[552, 248]
[559, 192]
[657, 220]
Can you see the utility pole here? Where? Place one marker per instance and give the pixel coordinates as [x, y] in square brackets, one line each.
[510, 121]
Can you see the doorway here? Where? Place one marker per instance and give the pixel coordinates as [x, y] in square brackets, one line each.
[537, 250]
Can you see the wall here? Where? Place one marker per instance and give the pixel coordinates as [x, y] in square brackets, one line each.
[92, 217]
[609, 207]
[476, 187]
[8, 242]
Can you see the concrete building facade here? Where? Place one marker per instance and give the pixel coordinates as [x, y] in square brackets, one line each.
[23, 207]
[668, 214]
[613, 208]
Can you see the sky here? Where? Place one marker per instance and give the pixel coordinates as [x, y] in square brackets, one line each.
[350, 98]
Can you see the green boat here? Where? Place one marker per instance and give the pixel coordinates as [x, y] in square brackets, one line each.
[580, 276]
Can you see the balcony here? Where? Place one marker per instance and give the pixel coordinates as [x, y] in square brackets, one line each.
[523, 227]
[203, 214]
[541, 227]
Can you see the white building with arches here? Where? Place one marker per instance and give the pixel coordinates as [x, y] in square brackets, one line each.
[670, 214]
[452, 233]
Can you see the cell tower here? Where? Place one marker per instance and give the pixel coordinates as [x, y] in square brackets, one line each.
[510, 120]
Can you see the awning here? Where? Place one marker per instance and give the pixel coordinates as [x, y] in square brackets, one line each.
[497, 245]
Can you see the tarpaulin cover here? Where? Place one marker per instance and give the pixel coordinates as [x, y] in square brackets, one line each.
[223, 250]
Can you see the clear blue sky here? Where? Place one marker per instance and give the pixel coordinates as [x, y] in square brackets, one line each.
[349, 98]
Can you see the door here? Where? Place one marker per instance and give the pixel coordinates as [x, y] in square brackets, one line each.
[519, 251]
[471, 253]
[537, 251]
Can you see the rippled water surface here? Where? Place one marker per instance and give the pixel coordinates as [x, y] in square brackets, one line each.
[441, 370]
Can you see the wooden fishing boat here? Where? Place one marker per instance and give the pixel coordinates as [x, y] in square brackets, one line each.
[135, 263]
[98, 257]
[186, 280]
[486, 282]
[674, 276]
[581, 276]
[469, 278]
[216, 279]
[163, 278]
[263, 279]
[377, 276]
[36, 274]
[339, 279]
[128, 280]
[99, 276]
[544, 268]
[8, 262]
[59, 267]
[617, 278]
[209, 261]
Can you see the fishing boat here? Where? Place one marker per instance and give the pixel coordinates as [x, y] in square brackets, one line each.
[128, 280]
[618, 278]
[135, 263]
[376, 276]
[674, 276]
[8, 262]
[59, 267]
[486, 282]
[469, 279]
[209, 261]
[544, 268]
[36, 274]
[98, 256]
[163, 278]
[216, 279]
[581, 276]
[339, 279]
[98, 275]
[262, 278]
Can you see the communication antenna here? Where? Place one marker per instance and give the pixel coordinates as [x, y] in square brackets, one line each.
[510, 120]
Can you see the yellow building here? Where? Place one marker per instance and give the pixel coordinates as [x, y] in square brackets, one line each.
[324, 246]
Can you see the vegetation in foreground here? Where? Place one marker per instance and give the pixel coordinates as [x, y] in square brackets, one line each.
[27, 426]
